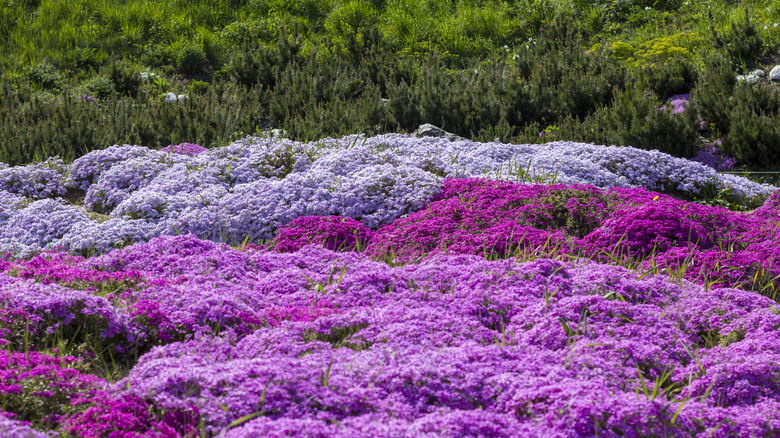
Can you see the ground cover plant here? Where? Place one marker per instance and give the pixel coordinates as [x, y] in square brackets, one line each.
[387, 286]
[215, 220]
[243, 192]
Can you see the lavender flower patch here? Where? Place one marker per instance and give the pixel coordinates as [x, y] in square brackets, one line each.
[39, 225]
[84, 171]
[713, 157]
[447, 343]
[336, 344]
[184, 148]
[678, 102]
[569, 162]
[250, 188]
[10, 204]
[115, 184]
[38, 181]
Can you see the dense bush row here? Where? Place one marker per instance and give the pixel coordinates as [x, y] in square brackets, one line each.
[552, 86]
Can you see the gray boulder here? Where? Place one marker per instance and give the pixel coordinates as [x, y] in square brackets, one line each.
[428, 130]
[774, 74]
[752, 77]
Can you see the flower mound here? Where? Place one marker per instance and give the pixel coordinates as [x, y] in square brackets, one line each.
[252, 187]
[455, 345]
[335, 233]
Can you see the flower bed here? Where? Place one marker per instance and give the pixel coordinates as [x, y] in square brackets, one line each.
[365, 291]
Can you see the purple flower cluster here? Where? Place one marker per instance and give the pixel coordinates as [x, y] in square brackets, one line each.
[36, 388]
[250, 188]
[713, 157]
[323, 343]
[38, 181]
[11, 428]
[335, 233]
[455, 345]
[77, 315]
[500, 219]
[184, 148]
[67, 270]
[497, 315]
[679, 102]
[51, 393]
[126, 417]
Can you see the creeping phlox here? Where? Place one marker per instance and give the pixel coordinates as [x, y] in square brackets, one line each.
[386, 287]
[314, 342]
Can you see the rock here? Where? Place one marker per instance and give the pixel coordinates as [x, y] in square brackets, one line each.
[760, 73]
[172, 97]
[750, 78]
[428, 130]
[273, 133]
[774, 74]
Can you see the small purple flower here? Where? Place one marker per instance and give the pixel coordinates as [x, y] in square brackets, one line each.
[712, 156]
[184, 148]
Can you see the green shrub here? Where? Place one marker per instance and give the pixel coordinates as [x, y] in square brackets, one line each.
[125, 76]
[191, 58]
[678, 76]
[634, 119]
[741, 41]
[712, 95]
[44, 75]
[100, 87]
[69, 128]
[754, 137]
[256, 64]
[347, 26]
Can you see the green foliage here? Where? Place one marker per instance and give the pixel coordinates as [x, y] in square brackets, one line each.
[125, 77]
[340, 336]
[344, 100]
[68, 127]
[99, 87]
[713, 92]
[481, 69]
[741, 41]
[44, 76]
[577, 211]
[256, 64]
[509, 92]
[635, 119]
[191, 58]
[347, 24]
[677, 76]
[745, 115]
[754, 137]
